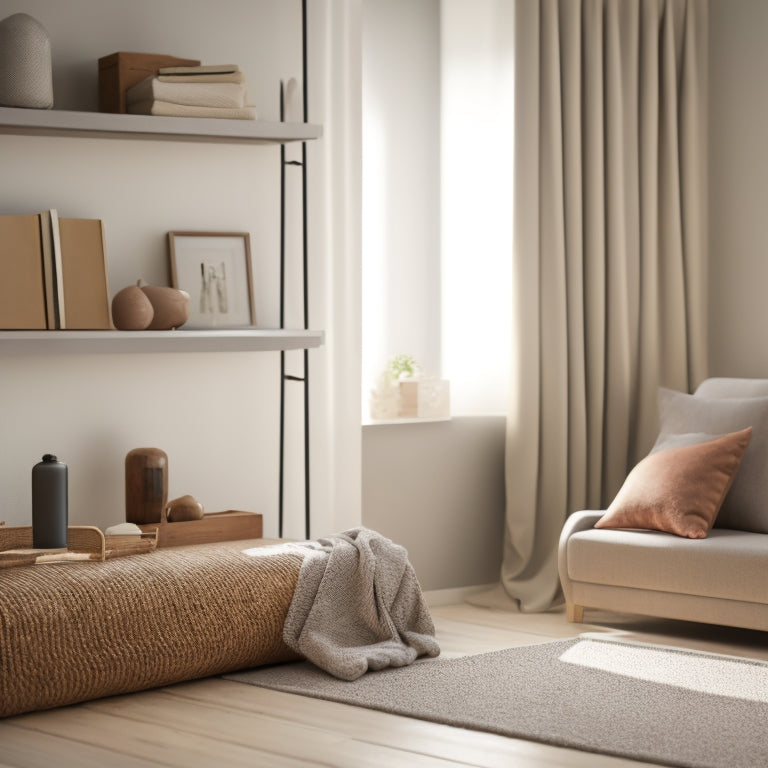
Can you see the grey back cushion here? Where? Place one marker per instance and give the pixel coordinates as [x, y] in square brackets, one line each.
[666, 441]
[721, 387]
[746, 506]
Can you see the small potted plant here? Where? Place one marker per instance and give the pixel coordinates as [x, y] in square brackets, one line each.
[403, 391]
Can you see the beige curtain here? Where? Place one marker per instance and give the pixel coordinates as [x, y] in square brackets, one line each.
[610, 257]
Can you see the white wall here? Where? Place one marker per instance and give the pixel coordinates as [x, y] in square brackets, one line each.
[215, 415]
[438, 489]
[738, 187]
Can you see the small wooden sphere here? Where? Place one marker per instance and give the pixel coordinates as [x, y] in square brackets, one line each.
[184, 508]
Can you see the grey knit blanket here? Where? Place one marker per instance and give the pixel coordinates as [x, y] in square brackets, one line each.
[358, 606]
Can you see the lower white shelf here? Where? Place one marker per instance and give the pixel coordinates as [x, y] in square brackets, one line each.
[118, 342]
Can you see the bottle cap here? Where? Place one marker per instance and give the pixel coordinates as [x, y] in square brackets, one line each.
[49, 458]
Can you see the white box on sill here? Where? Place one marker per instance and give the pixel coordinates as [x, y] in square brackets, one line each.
[425, 398]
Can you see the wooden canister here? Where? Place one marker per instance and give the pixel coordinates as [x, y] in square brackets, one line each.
[146, 485]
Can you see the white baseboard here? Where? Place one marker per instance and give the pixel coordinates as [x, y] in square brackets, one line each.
[436, 597]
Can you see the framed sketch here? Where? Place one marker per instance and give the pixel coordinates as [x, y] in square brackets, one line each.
[215, 269]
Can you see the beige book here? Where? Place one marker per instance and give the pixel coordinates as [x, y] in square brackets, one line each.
[84, 274]
[167, 109]
[22, 293]
[228, 95]
[58, 286]
[225, 77]
[210, 69]
[49, 283]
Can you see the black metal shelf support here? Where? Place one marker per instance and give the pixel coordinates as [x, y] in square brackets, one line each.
[284, 377]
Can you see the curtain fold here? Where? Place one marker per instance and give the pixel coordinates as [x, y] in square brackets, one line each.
[609, 294]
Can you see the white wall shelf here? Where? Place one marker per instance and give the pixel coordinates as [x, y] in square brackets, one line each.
[58, 122]
[117, 342]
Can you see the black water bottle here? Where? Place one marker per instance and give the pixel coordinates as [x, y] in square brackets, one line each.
[49, 504]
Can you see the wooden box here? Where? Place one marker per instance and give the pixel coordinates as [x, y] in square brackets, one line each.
[230, 525]
[119, 71]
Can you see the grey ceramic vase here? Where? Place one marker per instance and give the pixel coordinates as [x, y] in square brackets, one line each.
[26, 74]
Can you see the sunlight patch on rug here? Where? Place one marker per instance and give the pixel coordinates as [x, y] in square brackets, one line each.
[702, 673]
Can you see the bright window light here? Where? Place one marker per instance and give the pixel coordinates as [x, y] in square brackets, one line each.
[438, 137]
[477, 165]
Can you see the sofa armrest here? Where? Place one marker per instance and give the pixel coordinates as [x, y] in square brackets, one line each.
[578, 521]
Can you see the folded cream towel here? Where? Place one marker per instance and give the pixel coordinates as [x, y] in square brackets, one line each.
[167, 109]
[228, 95]
[123, 529]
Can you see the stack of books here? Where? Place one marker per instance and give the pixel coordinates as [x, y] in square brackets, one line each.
[212, 90]
[54, 273]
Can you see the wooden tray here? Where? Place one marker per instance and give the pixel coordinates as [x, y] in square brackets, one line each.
[230, 525]
[84, 542]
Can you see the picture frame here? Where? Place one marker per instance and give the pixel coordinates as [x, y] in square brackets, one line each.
[215, 269]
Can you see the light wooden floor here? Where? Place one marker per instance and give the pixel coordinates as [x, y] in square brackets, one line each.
[220, 723]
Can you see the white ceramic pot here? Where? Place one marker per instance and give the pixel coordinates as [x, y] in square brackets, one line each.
[26, 74]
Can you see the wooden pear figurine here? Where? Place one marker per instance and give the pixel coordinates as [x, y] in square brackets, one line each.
[170, 305]
[184, 508]
[131, 309]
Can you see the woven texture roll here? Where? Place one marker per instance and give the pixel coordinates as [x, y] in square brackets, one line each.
[76, 631]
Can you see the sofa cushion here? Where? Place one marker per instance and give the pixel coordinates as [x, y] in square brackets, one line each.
[746, 505]
[678, 490]
[727, 564]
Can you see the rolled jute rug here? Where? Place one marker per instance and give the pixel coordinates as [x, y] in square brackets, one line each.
[75, 631]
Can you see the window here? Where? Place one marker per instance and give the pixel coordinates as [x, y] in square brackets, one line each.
[437, 193]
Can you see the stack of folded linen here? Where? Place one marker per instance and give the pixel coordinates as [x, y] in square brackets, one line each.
[203, 91]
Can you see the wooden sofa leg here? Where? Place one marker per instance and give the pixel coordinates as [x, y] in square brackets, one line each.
[575, 613]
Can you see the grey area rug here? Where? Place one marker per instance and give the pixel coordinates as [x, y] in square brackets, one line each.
[644, 702]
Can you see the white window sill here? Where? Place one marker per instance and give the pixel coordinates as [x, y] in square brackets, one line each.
[368, 422]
